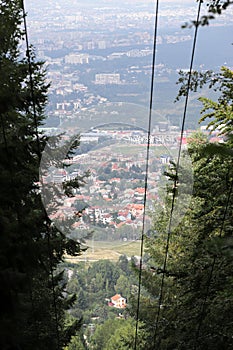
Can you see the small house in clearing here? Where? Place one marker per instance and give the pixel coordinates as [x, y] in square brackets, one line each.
[118, 301]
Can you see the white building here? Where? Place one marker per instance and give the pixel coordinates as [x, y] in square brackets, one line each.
[105, 78]
[77, 58]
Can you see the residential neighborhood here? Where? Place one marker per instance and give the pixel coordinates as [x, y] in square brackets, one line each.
[110, 201]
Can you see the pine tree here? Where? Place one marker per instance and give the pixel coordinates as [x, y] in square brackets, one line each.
[195, 310]
[32, 295]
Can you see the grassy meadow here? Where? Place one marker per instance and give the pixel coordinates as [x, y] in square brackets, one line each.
[98, 250]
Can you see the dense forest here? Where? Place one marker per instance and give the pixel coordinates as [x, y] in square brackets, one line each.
[185, 299]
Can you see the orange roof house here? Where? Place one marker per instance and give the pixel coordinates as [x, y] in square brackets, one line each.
[118, 301]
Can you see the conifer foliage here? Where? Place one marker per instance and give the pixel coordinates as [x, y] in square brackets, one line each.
[32, 295]
[194, 308]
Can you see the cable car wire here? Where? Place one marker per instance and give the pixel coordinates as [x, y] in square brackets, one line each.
[177, 172]
[147, 166]
[28, 55]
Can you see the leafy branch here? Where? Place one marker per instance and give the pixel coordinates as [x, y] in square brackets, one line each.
[215, 7]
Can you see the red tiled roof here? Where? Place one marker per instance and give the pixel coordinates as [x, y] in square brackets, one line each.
[116, 297]
[140, 190]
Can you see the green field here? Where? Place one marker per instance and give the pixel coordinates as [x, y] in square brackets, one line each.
[131, 149]
[98, 250]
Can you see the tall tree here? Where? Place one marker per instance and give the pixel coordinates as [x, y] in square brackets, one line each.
[195, 309]
[31, 294]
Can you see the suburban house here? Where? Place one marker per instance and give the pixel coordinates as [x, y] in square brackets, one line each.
[118, 301]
